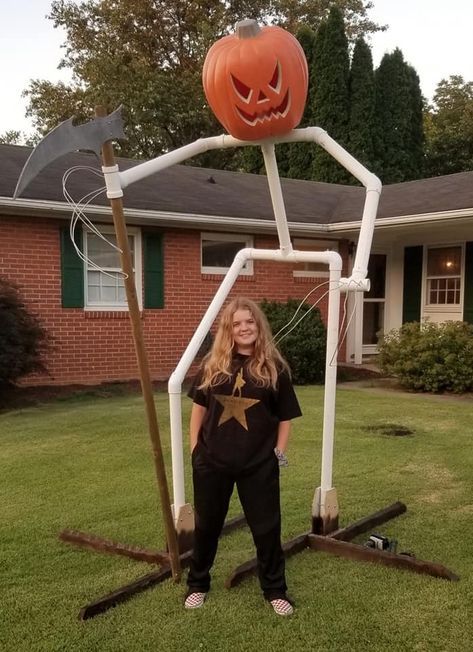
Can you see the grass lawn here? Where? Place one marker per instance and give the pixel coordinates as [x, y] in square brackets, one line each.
[86, 464]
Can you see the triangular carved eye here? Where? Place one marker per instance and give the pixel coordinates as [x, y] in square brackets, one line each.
[275, 82]
[241, 89]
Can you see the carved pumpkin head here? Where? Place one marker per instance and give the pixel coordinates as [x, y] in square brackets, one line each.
[256, 81]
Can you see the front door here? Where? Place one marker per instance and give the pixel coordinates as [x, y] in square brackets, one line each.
[373, 304]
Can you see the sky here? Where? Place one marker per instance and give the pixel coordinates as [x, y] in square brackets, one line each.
[434, 36]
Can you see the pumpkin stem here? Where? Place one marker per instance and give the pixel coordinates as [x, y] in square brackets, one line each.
[247, 28]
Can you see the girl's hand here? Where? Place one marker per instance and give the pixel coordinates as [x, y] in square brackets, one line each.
[282, 459]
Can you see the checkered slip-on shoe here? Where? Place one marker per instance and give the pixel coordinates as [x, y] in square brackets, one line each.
[195, 600]
[282, 607]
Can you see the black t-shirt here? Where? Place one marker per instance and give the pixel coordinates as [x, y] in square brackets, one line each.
[241, 423]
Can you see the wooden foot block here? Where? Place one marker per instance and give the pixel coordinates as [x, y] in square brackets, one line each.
[185, 528]
[325, 511]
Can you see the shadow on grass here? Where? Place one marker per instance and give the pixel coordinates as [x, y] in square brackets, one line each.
[13, 397]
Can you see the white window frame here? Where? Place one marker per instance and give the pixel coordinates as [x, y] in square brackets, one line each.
[138, 269]
[319, 245]
[442, 307]
[246, 242]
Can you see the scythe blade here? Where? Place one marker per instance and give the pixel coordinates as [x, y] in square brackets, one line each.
[66, 138]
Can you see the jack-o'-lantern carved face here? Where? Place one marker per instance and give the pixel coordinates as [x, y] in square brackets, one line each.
[256, 81]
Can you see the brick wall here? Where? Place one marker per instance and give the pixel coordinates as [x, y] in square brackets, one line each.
[94, 347]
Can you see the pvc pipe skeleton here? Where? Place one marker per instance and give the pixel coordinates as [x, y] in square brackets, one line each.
[116, 181]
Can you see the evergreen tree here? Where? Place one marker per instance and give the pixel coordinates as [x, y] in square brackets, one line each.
[362, 105]
[317, 61]
[250, 159]
[416, 164]
[398, 134]
[298, 156]
[331, 104]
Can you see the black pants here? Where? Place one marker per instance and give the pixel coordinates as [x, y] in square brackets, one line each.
[258, 490]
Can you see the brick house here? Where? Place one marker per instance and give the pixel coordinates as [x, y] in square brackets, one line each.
[186, 224]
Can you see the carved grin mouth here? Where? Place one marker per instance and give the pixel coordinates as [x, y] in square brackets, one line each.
[270, 114]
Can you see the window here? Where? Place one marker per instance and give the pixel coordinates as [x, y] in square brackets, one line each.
[104, 283]
[80, 282]
[218, 251]
[444, 269]
[374, 302]
[314, 270]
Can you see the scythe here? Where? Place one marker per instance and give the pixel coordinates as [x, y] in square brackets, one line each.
[97, 136]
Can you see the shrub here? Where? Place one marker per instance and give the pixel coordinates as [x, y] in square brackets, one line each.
[24, 342]
[303, 347]
[430, 357]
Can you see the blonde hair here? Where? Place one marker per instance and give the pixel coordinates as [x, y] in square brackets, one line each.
[265, 363]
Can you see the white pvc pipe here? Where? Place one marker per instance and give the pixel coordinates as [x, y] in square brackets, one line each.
[176, 379]
[313, 134]
[276, 196]
[373, 190]
[143, 170]
[363, 249]
[357, 281]
[358, 359]
[349, 162]
[330, 378]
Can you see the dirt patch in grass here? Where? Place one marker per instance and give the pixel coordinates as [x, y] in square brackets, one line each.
[390, 429]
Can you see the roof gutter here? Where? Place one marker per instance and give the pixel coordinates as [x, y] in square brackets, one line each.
[58, 209]
[405, 220]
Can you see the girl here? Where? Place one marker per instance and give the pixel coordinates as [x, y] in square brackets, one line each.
[239, 428]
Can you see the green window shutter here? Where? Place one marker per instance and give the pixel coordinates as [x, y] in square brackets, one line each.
[412, 284]
[468, 294]
[153, 270]
[72, 270]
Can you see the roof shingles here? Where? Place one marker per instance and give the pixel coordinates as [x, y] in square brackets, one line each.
[199, 191]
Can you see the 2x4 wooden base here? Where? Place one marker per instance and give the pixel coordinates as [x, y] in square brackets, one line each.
[99, 544]
[126, 592]
[338, 543]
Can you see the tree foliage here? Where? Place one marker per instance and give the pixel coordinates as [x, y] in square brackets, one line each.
[361, 124]
[295, 160]
[398, 117]
[16, 137]
[292, 14]
[331, 100]
[24, 342]
[148, 56]
[449, 128]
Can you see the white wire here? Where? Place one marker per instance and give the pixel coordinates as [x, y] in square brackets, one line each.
[78, 214]
[304, 315]
[298, 308]
[342, 334]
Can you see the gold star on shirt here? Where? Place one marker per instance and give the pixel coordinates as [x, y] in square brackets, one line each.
[235, 406]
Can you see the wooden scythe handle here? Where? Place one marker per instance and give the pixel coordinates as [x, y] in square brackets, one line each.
[108, 157]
